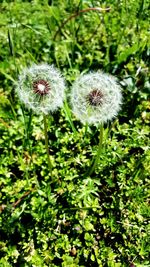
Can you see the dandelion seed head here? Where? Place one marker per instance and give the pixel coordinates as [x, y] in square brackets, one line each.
[41, 88]
[96, 98]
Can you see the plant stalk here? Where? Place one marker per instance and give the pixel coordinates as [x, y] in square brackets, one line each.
[96, 159]
[46, 143]
[99, 9]
[68, 115]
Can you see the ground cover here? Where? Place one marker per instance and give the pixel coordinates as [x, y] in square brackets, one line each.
[77, 220]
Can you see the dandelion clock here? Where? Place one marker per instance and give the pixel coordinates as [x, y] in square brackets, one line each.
[41, 88]
[96, 98]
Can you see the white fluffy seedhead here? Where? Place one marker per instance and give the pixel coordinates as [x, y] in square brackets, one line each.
[96, 98]
[41, 88]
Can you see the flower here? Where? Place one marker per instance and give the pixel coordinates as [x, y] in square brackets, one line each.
[96, 98]
[41, 88]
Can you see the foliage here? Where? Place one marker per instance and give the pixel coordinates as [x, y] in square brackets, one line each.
[77, 220]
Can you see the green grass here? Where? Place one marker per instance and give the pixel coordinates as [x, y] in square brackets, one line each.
[76, 220]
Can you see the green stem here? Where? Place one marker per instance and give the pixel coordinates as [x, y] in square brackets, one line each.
[68, 115]
[46, 143]
[96, 160]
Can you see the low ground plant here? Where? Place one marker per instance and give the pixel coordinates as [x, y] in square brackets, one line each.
[80, 218]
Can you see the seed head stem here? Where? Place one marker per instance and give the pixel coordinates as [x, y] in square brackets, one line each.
[96, 159]
[46, 143]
